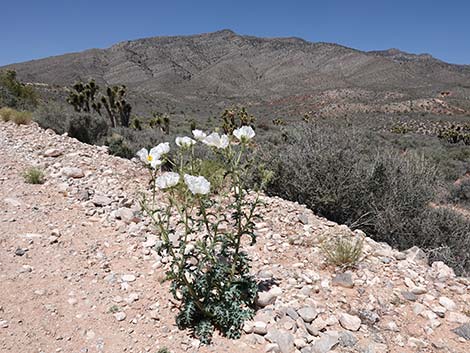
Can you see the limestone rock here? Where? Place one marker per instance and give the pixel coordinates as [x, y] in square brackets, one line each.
[283, 339]
[72, 172]
[268, 297]
[327, 342]
[350, 322]
[308, 314]
[52, 152]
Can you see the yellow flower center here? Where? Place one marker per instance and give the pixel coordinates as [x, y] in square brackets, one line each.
[149, 158]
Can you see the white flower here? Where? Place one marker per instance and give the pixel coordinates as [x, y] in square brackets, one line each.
[167, 180]
[151, 158]
[197, 184]
[216, 140]
[184, 142]
[199, 135]
[161, 149]
[244, 133]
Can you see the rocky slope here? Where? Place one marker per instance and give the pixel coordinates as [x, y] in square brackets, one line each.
[78, 272]
[200, 74]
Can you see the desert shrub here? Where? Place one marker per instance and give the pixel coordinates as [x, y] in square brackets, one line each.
[15, 94]
[460, 191]
[135, 139]
[87, 128]
[33, 175]
[341, 175]
[353, 177]
[53, 116]
[118, 146]
[202, 234]
[18, 117]
[445, 235]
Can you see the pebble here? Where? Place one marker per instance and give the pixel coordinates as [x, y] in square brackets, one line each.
[52, 152]
[128, 278]
[268, 297]
[343, 280]
[120, 316]
[20, 251]
[350, 322]
[326, 343]
[308, 314]
[73, 172]
[447, 303]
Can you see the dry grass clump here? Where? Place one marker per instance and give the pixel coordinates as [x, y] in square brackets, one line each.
[6, 113]
[343, 251]
[18, 117]
[33, 175]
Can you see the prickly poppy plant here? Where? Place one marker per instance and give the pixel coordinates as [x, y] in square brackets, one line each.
[202, 230]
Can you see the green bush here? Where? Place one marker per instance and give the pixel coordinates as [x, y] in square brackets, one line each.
[33, 175]
[87, 128]
[14, 93]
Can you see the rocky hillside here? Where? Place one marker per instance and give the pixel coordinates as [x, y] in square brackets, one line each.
[79, 272]
[198, 73]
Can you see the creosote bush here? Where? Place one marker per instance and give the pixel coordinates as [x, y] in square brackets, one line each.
[33, 175]
[351, 176]
[202, 231]
[118, 146]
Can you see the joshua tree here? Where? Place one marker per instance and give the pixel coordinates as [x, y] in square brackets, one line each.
[236, 117]
[161, 121]
[117, 108]
[83, 97]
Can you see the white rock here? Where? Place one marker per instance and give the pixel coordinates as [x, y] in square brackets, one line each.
[52, 152]
[350, 322]
[458, 318]
[447, 303]
[269, 297]
[441, 271]
[120, 316]
[128, 278]
[72, 172]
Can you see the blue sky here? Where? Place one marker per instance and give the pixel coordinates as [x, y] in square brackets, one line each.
[31, 29]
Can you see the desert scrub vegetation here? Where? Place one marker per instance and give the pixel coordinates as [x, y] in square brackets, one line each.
[355, 177]
[33, 175]
[202, 227]
[15, 94]
[18, 117]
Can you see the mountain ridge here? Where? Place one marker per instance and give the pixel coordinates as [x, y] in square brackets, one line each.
[217, 68]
